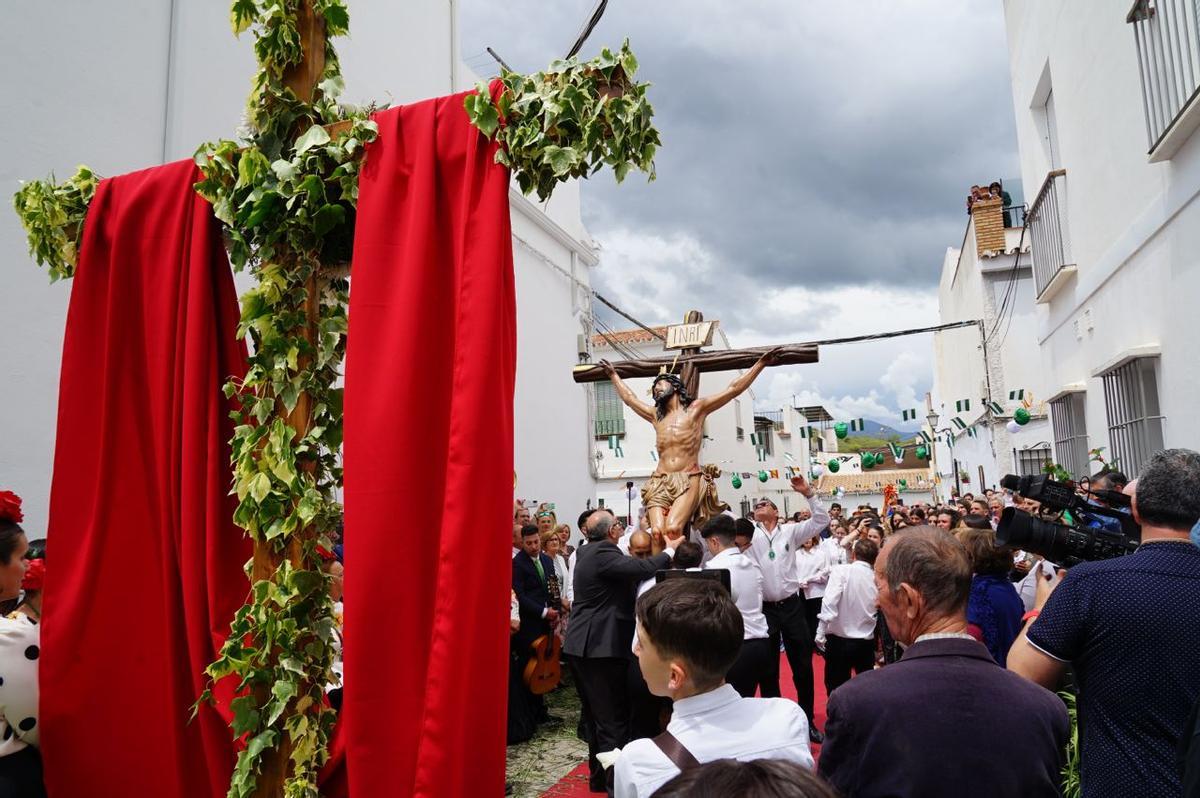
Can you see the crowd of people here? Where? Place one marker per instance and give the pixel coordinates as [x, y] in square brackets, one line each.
[947, 656]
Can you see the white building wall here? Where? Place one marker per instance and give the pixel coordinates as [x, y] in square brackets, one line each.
[1134, 226]
[126, 85]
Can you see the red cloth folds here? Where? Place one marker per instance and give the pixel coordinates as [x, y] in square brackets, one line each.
[428, 460]
[147, 563]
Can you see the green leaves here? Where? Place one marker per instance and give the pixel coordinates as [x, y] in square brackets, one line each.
[570, 121]
[315, 137]
[53, 215]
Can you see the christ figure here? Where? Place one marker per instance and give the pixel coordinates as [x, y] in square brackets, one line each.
[681, 492]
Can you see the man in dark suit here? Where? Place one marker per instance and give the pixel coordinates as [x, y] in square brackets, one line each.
[945, 720]
[600, 636]
[531, 571]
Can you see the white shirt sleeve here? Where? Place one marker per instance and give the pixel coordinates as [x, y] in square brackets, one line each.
[813, 526]
[829, 603]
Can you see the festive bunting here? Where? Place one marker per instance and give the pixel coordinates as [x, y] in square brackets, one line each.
[762, 455]
[962, 405]
[994, 408]
[806, 432]
[834, 466]
[972, 433]
[897, 452]
[868, 460]
[909, 415]
[736, 482]
[774, 473]
[857, 425]
[1013, 426]
[1017, 395]
[924, 436]
[922, 453]
[840, 429]
[1021, 416]
[788, 456]
[958, 422]
[762, 476]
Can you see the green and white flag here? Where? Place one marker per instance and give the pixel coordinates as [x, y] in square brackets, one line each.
[958, 422]
[762, 455]
[806, 432]
[925, 438]
[973, 433]
[1017, 395]
[962, 405]
[788, 456]
[994, 408]
[857, 425]
[909, 415]
[897, 452]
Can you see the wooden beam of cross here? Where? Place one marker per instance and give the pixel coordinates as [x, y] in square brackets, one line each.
[691, 361]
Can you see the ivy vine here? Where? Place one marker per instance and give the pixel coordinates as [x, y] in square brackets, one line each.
[570, 121]
[53, 215]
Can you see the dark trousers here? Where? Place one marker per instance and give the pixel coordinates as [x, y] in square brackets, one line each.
[786, 621]
[753, 665]
[21, 775]
[812, 608]
[604, 687]
[843, 654]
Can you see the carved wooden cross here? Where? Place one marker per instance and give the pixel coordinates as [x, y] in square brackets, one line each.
[689, 339]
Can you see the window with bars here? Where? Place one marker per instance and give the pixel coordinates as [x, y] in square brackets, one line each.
[1031, 462]
[763, 430]
[1070, 433]
[1134, 418]
[609, 411]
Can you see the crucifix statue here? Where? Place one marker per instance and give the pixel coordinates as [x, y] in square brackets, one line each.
[682, 492]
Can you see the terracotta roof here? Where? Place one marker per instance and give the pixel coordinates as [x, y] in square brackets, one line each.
[635, 336]
[873, 481]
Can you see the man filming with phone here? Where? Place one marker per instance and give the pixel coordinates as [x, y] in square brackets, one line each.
[1129, 626]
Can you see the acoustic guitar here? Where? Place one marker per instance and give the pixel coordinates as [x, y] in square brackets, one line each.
[543, 672]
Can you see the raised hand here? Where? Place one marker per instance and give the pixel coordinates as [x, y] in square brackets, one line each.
[608, 368]
[801, 486]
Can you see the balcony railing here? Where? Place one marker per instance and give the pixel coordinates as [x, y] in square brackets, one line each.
[1049, 241]
[609, 426]
[1167, 34]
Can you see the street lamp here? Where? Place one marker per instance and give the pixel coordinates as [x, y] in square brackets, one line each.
[932, 418]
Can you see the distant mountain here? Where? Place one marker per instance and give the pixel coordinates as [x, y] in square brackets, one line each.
[873, 429]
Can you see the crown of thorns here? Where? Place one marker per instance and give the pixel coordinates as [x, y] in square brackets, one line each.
[680, 389]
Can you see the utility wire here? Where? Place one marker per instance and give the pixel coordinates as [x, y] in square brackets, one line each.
[597, 13]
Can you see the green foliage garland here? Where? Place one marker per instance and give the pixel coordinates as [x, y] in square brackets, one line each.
[287, 195]
[52, 214]
[570, 121]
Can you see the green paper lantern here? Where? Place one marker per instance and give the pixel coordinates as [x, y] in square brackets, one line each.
[1021, 416]
[922, 453]
[840, 429]
[903, 483]
[736, 482]
[763, 476]
[833, 466]
[868, 460]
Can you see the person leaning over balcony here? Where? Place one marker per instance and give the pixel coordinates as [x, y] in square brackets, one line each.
[1130, 629]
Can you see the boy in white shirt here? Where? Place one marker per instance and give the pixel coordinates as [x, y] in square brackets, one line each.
[689, 633]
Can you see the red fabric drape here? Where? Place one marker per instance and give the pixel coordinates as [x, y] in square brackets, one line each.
[428, 460]
[145, 569]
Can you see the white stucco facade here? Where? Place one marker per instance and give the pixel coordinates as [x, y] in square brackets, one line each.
[980, 287]
[1129, 218]
[723, 445]
[124, 86]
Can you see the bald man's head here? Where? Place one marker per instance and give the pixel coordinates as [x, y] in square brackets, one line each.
[639, 545]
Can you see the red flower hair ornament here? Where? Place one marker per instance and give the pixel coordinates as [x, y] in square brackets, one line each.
[10, 507]
[35, 575]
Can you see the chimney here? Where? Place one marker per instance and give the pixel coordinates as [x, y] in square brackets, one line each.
[988, 215]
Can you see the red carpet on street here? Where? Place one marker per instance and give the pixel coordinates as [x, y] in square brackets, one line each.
[575, 783]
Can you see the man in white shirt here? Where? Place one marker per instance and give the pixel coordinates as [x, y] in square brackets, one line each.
[689, 633]
[745, 584]
[773, 549]
[846, 625]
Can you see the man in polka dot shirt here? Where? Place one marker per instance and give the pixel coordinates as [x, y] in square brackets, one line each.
[1130, 629]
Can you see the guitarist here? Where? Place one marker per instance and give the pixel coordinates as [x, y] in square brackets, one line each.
[532, 578]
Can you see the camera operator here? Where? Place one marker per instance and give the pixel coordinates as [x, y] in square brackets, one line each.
[1130, 628]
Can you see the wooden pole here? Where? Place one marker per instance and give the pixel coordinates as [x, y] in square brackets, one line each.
[302, 79]
[718, 360]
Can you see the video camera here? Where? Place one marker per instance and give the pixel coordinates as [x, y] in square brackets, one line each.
[1091, 531]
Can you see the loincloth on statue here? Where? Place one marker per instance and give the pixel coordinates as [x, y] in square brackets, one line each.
[662, 489]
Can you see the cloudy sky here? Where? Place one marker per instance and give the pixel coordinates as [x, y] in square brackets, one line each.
[815, 161]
